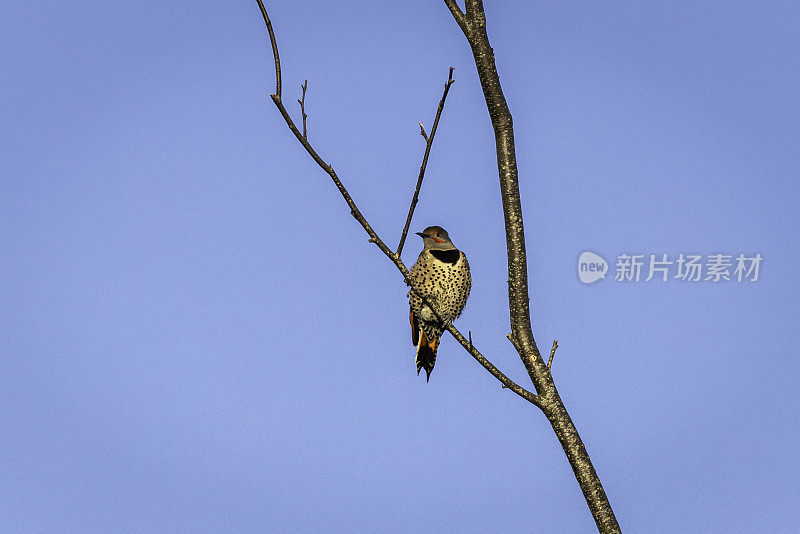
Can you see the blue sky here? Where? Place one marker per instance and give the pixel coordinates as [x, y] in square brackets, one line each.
[196, 335]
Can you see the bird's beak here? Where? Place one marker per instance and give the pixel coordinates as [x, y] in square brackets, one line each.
[420, 234]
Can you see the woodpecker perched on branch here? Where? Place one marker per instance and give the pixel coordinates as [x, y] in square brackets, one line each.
[441, 274]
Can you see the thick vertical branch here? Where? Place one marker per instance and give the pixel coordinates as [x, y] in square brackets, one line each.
[502, 123]
[473, 24]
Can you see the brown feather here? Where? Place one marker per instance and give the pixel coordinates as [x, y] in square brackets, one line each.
[414, 328]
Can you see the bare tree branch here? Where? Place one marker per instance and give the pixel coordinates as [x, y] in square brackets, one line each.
[373, 238]
[274, 49]
[428, 145]
[521, 336]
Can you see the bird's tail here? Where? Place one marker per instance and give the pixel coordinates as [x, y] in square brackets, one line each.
[426, 354]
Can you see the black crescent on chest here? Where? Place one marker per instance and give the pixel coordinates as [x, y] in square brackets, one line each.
[447, 256]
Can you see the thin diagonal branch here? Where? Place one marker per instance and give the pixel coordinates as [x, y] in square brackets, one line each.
[394, 257]
[428, 145]
[274, 49]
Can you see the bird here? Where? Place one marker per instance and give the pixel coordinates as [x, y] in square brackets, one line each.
[441, 274]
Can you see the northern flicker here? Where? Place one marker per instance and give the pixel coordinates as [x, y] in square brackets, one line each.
[442, 275]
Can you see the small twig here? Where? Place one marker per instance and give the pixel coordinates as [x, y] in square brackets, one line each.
[470, 337]
[528, 357]
[302, 103]
[552, 353]
[429, 144]
[513, 341]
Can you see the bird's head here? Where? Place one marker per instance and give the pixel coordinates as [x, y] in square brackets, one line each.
[435, 237]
